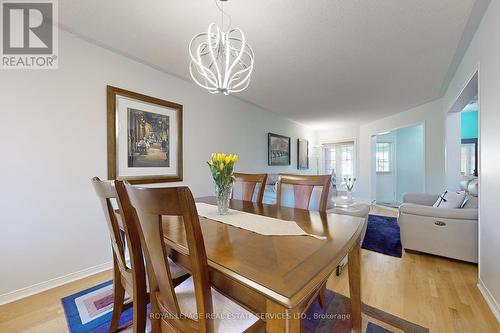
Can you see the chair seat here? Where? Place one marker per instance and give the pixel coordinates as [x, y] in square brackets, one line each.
[229, 315]
[176, 271]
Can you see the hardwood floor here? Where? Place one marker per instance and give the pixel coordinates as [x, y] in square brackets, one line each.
[43, 313]
[435, 292]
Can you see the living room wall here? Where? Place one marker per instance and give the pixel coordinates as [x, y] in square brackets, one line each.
[409, 154]
[53, 228]
[429, 114]
[483, 54]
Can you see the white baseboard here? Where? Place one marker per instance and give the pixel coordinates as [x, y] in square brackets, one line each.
[488, 297]
[52, 283]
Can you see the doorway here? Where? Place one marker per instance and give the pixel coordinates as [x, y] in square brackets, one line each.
[462, 136]
[398, 164]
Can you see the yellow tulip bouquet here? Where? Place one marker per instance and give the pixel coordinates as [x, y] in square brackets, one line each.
[222, 166]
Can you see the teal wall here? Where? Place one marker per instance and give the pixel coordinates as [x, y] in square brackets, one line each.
[409, 160]
[469, 125]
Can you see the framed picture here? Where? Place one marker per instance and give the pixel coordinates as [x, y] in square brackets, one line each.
[144, 138]
[278, 148]
[302, 154]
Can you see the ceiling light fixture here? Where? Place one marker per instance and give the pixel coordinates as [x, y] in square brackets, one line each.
[221, 60]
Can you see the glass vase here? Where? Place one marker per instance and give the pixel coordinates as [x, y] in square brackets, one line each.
[223, 195]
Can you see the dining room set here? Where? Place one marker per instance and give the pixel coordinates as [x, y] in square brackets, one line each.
[228, 263]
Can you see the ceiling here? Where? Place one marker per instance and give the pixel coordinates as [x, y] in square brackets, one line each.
[323, 63]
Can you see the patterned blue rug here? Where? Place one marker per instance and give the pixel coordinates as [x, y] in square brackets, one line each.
[89, 311]
[383, 236]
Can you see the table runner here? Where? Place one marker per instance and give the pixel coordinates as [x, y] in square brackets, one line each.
[263, 225]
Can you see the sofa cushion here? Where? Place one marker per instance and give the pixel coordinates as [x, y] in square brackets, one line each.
[473, 187]
[450, 199]
[356, 209]
[470, 202]
[420, 198]
[464, 182]
[238, 191]
[272, 178]
[446, 213]
[269, 195]
[288, 197]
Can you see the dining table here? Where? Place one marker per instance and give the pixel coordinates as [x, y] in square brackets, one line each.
[276, 277]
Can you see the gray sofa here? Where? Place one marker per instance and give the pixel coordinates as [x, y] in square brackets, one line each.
[287, 195]
[270, 190]
[357, 209]
[441, 231]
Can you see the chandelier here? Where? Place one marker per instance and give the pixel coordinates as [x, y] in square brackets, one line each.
[221, 60]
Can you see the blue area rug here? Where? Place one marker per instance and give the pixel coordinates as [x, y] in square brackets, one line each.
[78, 310]
[89, 311]
[383, 236]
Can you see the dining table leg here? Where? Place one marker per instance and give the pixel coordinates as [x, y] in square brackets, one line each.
[354, 265]
[281, 319]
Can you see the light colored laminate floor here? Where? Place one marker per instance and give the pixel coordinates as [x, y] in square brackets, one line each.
[434, 292]
[437, 293]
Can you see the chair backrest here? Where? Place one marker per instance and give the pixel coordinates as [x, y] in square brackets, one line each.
[302, 187]
[175, 204]
[245, 186]
[124, 233]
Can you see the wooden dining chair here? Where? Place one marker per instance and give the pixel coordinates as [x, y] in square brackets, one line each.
[299, 190]
[129, 273]
[248, 182]
[189, 306]
[128, 261]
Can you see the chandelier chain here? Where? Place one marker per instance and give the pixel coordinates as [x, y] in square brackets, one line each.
[222, 13]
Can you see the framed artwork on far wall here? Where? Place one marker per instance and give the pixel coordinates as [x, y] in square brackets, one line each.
[144, 138]
[278, 149]
[302, 154]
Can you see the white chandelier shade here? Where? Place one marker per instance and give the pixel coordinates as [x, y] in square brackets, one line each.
[221, 62]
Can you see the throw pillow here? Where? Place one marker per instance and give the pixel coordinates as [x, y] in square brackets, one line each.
[450, 199]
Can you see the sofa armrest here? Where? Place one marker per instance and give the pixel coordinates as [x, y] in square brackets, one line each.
[444, 213]
[420, 198]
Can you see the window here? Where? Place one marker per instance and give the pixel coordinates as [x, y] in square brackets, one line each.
[383, 156]
[330, 160]
[468, 155]
[346, 160]
[339, 157]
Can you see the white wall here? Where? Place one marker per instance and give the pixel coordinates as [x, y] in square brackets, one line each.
[484, 51]
[432, 117]
[337, 134]
[453, 150]
[429, 114]
[410, 171]
[53, 141]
